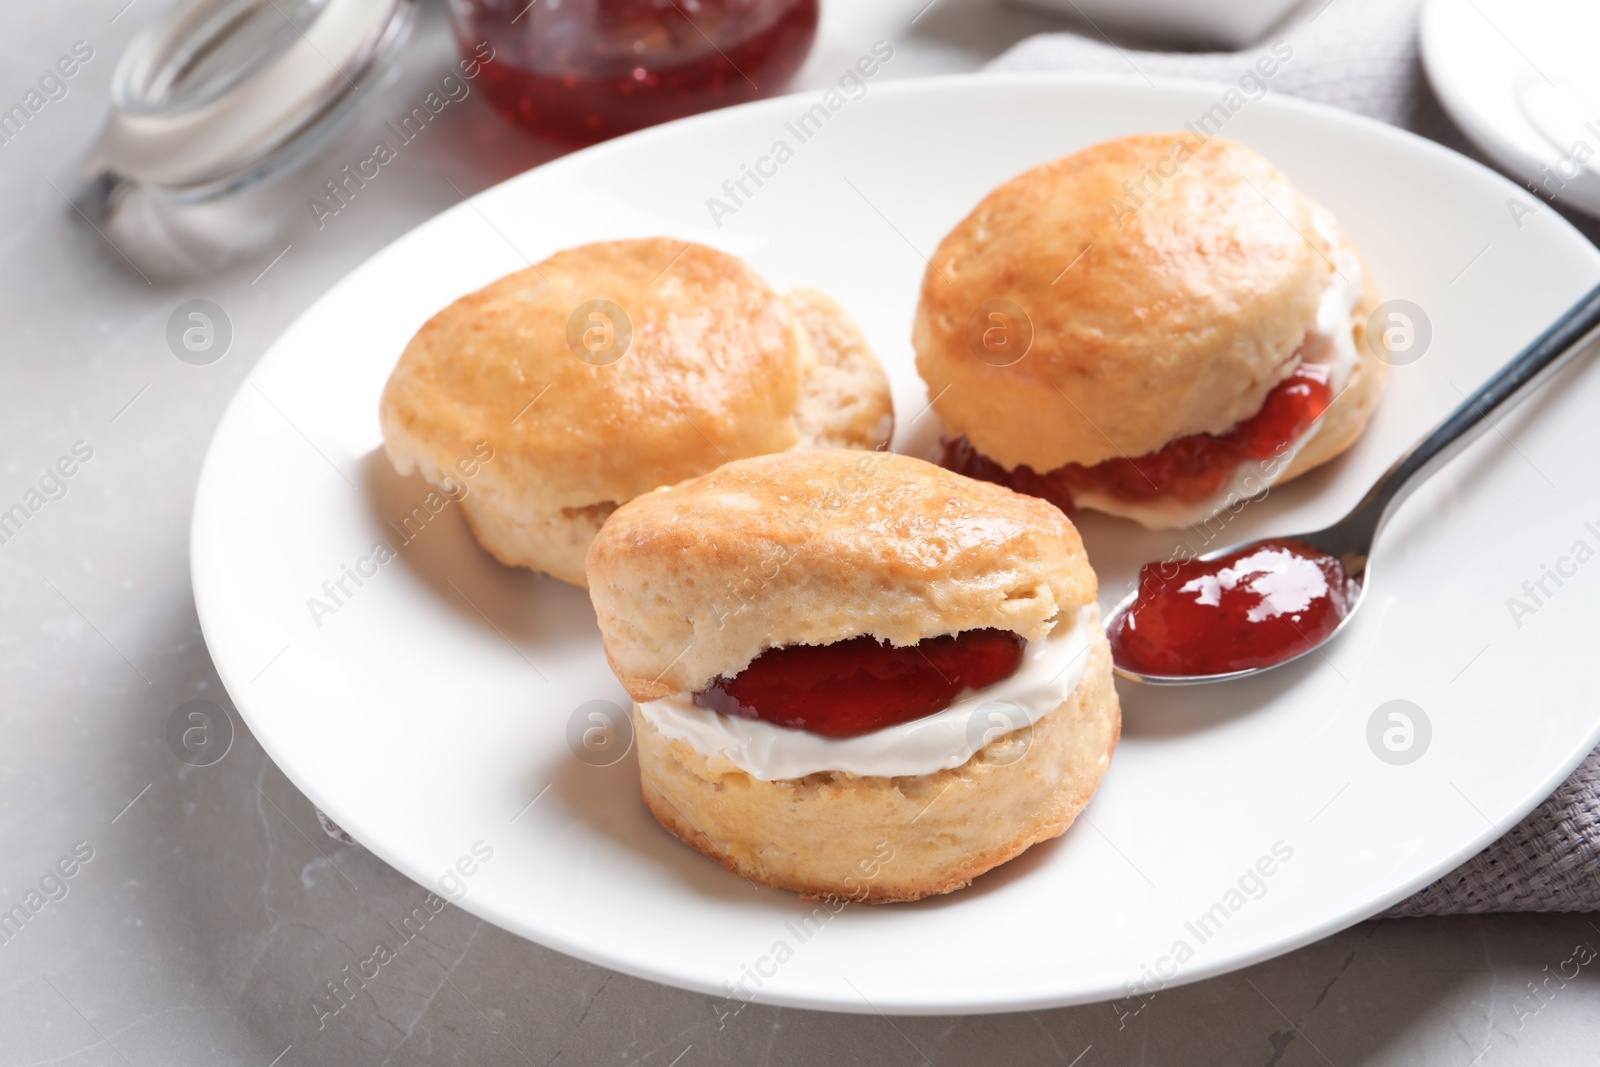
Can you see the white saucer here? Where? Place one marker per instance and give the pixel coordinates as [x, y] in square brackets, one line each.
[1522, 80]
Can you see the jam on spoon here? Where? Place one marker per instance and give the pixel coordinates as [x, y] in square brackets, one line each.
[1340, 553]
[1190, 469]
[1256, 607]
[856, 686]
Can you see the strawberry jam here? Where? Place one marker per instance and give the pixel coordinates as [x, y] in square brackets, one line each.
[585, 70]
[1189, 469]
[854, 687]
[1253, 608]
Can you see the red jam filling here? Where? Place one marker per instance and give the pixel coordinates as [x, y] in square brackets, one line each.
[1253, 608]
[1190, 469]
[854, 687]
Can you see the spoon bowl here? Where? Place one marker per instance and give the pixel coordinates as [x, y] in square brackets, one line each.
[1355, 567]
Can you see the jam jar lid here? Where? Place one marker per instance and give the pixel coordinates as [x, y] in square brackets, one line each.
[217, 91]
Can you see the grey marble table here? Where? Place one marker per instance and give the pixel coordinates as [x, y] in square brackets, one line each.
[204, 916]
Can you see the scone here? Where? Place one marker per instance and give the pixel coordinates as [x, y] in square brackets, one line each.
[1155, 327]
[613, 368]
[856, 675]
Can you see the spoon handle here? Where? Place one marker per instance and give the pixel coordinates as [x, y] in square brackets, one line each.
[1518, 379]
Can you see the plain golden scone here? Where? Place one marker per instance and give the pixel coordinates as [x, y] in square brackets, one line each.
[1169, 282]
[706, 363]
[692, 582]
[824, 835]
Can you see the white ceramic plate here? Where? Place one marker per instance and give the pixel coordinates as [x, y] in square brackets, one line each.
[1520, 78]
[433, 707]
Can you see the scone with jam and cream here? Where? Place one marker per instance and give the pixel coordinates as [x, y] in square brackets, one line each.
[856, 675]
[1155, 327]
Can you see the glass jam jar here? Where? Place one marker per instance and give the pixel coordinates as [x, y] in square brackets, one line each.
[586, 70]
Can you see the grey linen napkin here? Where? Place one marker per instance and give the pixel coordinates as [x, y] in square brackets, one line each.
[1361, 55]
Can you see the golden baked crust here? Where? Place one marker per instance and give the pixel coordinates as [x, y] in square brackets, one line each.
[876, 840]
[718, 367]
[844, 392]
[811, 547]
[1153, 316]
[711, 374]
